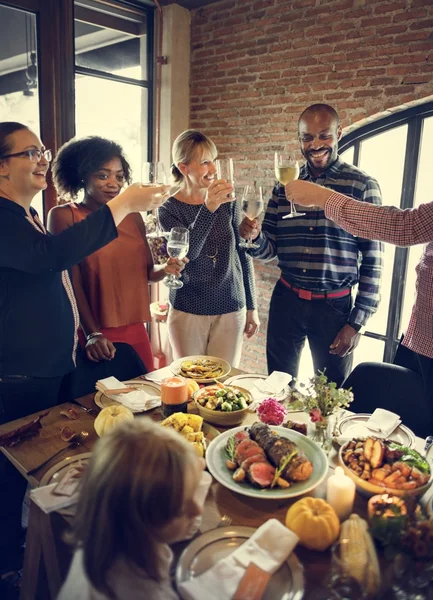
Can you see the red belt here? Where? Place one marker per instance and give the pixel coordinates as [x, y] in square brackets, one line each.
[307, 295]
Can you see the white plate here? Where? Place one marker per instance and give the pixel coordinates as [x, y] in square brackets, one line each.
[203, 552]
[353, 426]
[248, 381]
[216, 462]
[176, 364]
[151, 388]
[59, 470]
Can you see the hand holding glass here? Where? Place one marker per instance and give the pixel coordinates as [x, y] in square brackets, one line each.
[252, 206]
[153, 174]
[177, 247]
[286, 170]
[225, 170]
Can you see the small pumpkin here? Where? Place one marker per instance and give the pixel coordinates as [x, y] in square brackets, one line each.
[192, 386]
[315, 523]
[111, 416]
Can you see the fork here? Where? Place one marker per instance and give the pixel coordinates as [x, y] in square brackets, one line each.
[225, 521]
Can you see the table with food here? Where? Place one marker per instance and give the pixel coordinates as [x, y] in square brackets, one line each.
[336, 504]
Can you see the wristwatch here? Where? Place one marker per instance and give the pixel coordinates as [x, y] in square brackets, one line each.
[357, 327]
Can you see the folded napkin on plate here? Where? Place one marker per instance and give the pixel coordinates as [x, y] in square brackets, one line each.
[275, 385]
[383, 422]
[48, 501]
[268, 548]
[137, 400]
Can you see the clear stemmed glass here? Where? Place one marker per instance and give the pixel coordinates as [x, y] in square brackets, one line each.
[225, 170]
[252, 206]
[154, 174]
[177, 247]
[286, 170]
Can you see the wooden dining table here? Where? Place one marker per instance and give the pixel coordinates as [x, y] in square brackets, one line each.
[47, 556]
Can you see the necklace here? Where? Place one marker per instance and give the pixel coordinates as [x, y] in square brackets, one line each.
[213, 257]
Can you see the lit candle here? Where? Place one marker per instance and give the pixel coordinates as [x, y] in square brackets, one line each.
[174, 395]
[340, 493]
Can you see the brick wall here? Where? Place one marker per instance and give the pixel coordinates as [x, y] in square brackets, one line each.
[256, 64]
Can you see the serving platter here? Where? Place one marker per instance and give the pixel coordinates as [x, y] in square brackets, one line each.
[216, 462]
[353, 426]
[150, 387]
[177, 364]
[57, 471]
[203, 552]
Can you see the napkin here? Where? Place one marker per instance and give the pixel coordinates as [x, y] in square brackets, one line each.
[49, 502]
[268, 548]
[199, 498]
[275, 385]
[137, 401]
[383, 422]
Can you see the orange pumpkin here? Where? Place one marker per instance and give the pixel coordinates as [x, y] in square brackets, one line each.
[315, 523]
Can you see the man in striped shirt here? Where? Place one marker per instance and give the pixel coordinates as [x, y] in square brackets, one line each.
[320, 263]
[402, 228]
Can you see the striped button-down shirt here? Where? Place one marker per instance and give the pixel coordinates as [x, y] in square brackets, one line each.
[402, 228]
[316, 254]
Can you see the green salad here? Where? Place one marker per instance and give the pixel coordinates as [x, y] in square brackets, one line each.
[224, 398]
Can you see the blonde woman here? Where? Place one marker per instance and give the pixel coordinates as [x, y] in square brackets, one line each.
[137, 497]
[216, 306]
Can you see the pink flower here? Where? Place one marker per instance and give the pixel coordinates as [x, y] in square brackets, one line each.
[316, 415]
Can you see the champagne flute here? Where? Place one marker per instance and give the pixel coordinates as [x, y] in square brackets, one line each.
[286, 170]
[153, 174]
[252, 206]
[177, 247]
[225, 170]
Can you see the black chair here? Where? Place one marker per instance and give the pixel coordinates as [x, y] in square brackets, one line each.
[395, 388]
[126, 364]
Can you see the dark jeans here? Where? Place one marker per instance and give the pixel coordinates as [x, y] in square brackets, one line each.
[293, 320]
[18, 397]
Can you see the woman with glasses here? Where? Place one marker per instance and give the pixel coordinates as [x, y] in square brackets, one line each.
[112, 284]
[38, 312]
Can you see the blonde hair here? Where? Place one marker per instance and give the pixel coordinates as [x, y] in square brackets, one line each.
[185, 147]
[134, 485]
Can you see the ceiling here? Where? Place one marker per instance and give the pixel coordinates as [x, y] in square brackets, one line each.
[190, 4]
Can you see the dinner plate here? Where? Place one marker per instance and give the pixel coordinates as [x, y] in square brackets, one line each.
[248, 380]
[203, 552]
[151, 388]
[353, 426]
[216, 461]
[60, 469]
[176, 365]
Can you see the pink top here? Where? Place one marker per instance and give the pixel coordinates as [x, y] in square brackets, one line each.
[115, 277]
[402, 228]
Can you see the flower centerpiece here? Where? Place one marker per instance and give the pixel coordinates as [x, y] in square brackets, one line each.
[322, 399]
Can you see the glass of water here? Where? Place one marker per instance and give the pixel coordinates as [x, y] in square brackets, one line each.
[252, 206]
[177, 247]
[153, 174]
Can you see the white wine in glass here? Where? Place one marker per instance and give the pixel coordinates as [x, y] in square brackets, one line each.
[153, 174]
[287, 170]
[177, 247]
[252, 206]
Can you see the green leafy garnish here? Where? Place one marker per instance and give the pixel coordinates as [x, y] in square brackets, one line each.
[283, 464]
[411, 457]
[231, 447]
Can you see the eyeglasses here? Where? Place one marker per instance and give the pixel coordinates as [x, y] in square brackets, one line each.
[34, 155]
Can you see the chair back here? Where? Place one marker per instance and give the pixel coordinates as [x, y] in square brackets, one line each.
[395, 388]
[126, 364]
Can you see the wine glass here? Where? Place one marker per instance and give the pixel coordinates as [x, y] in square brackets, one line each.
[252, 206]
[286, 170]
[225, 170]
[177, 247]
[153, 174]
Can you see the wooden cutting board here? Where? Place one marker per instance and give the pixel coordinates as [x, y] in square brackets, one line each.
[28, 454]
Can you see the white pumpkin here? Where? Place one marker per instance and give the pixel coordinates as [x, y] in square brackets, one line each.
[110, 417]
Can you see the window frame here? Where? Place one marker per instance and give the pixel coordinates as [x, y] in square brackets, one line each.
[413, 117]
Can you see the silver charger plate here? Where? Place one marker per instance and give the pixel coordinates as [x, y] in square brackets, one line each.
[56, 472]
[203, 552]
[354, 426]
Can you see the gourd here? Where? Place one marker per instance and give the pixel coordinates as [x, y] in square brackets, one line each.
[315, 523]
[192, 386]
[110, 417]
[359, 556]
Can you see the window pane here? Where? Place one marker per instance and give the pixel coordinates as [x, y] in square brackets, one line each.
[368, 350]
[382, 157]
[19, 97]
[348, 155]
[110, 51]
[116, 111]
[423, 193]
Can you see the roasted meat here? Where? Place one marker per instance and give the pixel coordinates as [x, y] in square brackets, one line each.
[245, 449]
[261, 474]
